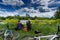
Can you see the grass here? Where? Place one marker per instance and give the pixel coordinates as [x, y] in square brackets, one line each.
[45, 27]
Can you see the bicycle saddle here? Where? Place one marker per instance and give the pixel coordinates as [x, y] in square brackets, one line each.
[37, 32]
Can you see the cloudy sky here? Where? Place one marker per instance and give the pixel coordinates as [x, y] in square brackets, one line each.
[40, 8]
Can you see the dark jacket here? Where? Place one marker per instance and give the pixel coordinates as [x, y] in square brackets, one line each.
[19, 25]
[28, 24]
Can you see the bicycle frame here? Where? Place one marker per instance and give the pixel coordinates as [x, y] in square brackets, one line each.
[10, 33]
[48, 36]
[6, 34]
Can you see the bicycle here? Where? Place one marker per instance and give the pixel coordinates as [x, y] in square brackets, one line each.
[8, 34]
[48, 37]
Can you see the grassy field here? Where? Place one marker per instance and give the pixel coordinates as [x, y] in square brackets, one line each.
[45, 26]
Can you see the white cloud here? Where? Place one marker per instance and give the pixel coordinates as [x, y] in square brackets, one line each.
[43, 2]
[45, 14]
[5, 13]
[13, 2]
[32, 12]
[46, 3]
[48, 14]
[34, 1]
[54, 3]
[58, 2]
[27, 10]
[51, 2]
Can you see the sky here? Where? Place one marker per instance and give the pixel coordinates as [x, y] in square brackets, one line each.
[39, 8]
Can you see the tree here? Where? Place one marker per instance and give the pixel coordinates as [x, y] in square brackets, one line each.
[57, 14]
[2, 18]
[17, 16]
[9, 17]
[27, 15]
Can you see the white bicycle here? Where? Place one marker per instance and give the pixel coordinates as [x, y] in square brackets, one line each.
[48, 37]
[7, 34]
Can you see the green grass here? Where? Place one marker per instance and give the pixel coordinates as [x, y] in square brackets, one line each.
[45, 29]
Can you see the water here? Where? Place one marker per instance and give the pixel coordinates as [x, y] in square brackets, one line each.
[23, 21]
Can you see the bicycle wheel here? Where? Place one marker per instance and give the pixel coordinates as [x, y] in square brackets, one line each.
[12, 35]
[57, 38]
[1, 31]
[27, 38]
[15, 35]
[1, 38]
[9, 38]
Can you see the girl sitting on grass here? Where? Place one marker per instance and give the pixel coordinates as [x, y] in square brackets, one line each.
[19, 26]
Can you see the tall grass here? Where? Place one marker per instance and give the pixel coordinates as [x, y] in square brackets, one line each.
[45, 26]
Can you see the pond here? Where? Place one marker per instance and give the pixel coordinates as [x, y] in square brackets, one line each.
[23, 21]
